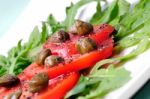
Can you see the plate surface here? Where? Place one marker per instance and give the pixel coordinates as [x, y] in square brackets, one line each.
[38, 10]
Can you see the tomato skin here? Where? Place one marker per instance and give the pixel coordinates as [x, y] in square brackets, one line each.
[102, 32]
[82, 62]
[59, 91]
[56, 89]
[67, 49]
[5, 91]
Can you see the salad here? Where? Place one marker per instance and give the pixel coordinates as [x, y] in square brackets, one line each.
[74, 59]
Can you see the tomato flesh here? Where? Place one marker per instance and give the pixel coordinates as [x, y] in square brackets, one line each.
[61, 88]
[67, 49]
[56, 89]
[81, 62]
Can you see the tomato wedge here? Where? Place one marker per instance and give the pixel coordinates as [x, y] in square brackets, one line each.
[61, 88]
[67, 50]
[56, 89]
[82, 62]
[6, 91]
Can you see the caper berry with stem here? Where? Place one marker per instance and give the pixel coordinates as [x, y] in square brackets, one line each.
[59, 36]
[42, 55]
[8, 80]
[38, 82]
[85, 45]
[81, 28]
[53, 60]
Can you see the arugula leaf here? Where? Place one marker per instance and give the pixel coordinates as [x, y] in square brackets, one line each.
[105, 81]
[109, 13]
[20, 57]
[142, 46]
[3, 66]
[97, 14]
[101, 63]
[72, 10]
[53, 24]
[134, 20]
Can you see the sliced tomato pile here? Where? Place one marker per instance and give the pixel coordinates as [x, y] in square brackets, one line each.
[57, 88]
[65, 75]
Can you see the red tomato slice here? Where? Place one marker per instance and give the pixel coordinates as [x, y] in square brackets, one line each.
[6, 91]
[59, 90]
[67, 49]
[102, 32]
[82, 62]
[56, 89]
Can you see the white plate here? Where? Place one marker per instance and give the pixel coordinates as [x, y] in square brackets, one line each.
[38, 10]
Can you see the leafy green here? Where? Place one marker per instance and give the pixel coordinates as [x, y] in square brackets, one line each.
[20, 56]
[101, 63]
[98, 84]
[133, 30]
[72, 10]
[97, 14]
[108, 14]
[142, 46]
[134, 20]
[53, 24]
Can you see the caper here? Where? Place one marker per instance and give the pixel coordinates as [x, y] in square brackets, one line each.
[14, 95]
[53, 60]
[42, 55]
[81, 28]
[38, 82]
[59, 36]
[85, 45]
[8, 80]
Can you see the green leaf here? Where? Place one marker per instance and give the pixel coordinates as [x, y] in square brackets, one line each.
[71, 12]
[3, 61]
[142, 46]
[51, 20]
[97, 14]
[34, 36]
[32, 54]
[112, 78]
[53, 24]
[98, 84]
[44, 33]
[109, 13]
[101, 63]
[134, 20]
[124, 7]
[129, 41]
[78, 88]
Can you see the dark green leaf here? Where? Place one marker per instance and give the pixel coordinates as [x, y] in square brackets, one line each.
[105, 80]
[109, 13]
[71, 12]
[97, 14]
